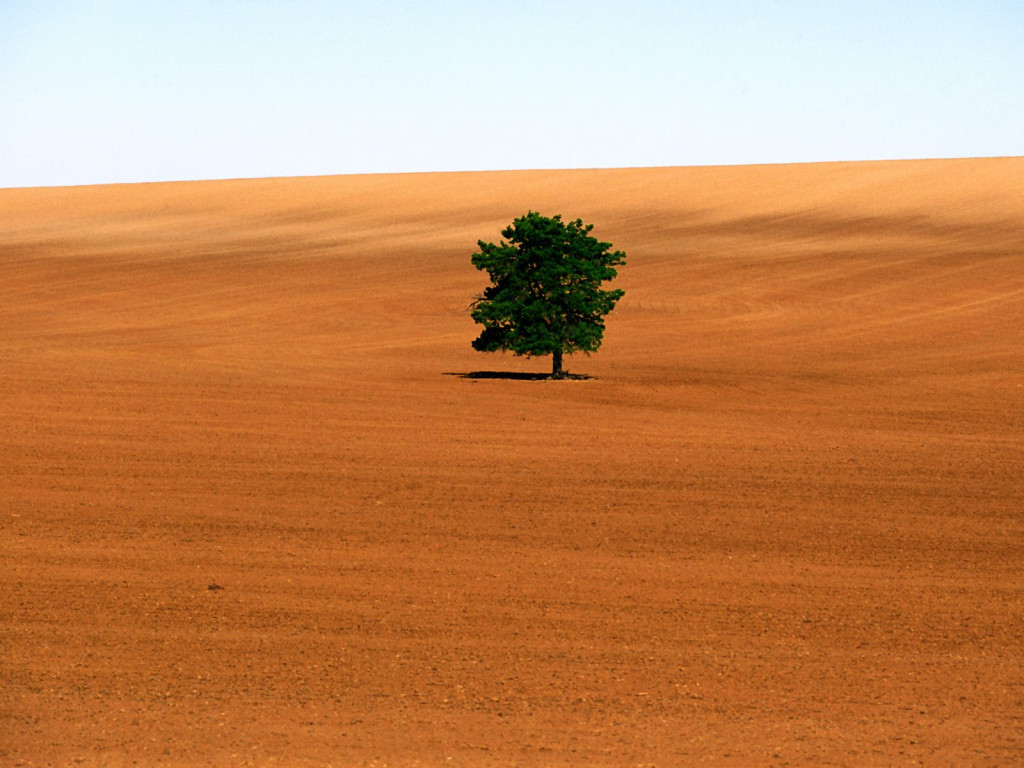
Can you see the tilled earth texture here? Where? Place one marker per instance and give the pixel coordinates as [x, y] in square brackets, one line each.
[262, 504]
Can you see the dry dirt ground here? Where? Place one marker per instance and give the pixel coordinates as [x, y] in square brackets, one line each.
[258, 507]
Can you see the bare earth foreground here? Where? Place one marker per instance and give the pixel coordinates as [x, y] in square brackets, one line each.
[260, 507]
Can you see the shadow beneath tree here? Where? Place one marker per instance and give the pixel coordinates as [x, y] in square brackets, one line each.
[518, 376]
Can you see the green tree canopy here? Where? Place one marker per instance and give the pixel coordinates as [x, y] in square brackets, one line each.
[545, 296]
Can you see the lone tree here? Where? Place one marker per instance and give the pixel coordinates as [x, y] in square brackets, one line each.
[545, 296]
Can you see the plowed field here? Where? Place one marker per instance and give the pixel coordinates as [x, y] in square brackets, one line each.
[262, 504]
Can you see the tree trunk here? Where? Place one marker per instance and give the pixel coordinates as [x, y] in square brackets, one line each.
[556, 364]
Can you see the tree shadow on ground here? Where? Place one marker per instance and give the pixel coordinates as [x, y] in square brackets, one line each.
[518, 376]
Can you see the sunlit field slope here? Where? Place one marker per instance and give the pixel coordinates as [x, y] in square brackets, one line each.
[261, 503]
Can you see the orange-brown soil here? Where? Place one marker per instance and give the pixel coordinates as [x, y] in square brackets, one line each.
[781, 523]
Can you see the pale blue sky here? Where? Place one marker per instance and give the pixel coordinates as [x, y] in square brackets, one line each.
[95, 91]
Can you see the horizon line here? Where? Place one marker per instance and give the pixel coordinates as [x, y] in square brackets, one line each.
[216, 179]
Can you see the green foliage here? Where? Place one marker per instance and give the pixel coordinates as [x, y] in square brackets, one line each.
[545, 296]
